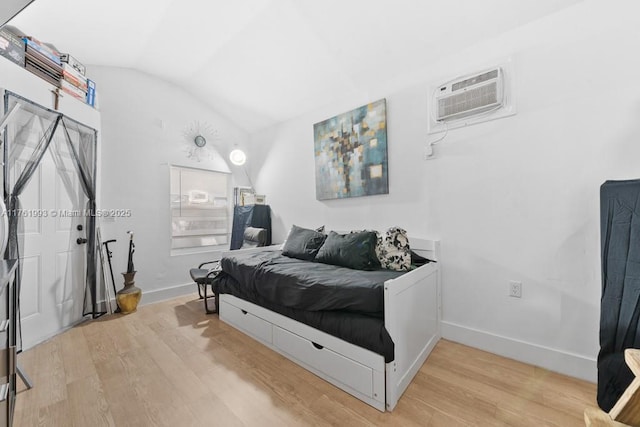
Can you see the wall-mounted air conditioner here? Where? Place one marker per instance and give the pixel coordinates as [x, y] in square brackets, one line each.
[473, 98]
[470, 95]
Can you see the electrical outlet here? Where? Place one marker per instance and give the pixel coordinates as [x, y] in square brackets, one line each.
[515, 289]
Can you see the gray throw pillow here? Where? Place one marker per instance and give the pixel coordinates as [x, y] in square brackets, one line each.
[303, 243]
[254, 237]
[354, 250]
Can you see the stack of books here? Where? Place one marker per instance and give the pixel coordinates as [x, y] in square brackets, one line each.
[74, 80]
[73, 83]
[43, 61]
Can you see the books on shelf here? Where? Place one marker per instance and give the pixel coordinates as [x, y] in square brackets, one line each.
[44, 60]
[74, 77]
[72, 90]
[91, 93]
[52, 67]
[42, 72]
[36, 47]
[74, 63]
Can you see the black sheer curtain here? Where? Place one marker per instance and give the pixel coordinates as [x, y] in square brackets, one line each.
[81, 142]
[22, 156]
[47, 127]
[620, 301]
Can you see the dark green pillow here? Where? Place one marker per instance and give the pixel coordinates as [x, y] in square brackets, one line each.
[302, 243]
[354, 250]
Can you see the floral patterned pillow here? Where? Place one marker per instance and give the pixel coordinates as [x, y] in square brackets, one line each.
[393, 250]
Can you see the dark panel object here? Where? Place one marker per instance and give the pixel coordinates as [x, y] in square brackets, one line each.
[258, 216]
[620, 302]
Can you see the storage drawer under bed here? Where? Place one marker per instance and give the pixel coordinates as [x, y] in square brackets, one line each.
[247, 322]
[340, 368]
[333, 361]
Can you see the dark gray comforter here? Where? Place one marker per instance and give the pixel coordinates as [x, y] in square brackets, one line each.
[310, 286]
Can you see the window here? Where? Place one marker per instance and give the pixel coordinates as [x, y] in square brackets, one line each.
[199, 208]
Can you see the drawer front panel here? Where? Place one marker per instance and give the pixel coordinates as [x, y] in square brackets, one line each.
[253, 325]
[334, 365]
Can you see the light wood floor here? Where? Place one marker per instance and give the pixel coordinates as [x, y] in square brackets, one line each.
[169, 364]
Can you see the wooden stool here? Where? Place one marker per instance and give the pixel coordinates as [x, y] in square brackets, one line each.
[626, 411]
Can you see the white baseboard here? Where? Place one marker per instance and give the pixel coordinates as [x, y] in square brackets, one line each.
[148, 297]
[157, 295]
[30, 343]
[555, 360]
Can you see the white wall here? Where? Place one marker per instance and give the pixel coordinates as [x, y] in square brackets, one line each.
[512, 199]
[143, 124]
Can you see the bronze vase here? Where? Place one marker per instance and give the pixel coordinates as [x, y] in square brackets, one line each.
[129, 296]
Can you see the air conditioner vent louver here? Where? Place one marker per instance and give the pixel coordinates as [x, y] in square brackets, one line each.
[470, 96]
[493, 74]
[467, 103]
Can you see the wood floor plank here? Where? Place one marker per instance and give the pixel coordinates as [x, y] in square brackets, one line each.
[171, 364]
[76, 356]
[87, 403]
[54, 415]
[518, 401]
[183, 381]
[51, 375]
[210, 411]
[451, 398]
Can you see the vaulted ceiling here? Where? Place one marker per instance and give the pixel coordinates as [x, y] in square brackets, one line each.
[260, 62]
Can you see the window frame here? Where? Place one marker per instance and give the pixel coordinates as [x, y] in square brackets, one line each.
[202, 248]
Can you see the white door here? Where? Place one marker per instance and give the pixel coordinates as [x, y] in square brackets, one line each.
[53, 263]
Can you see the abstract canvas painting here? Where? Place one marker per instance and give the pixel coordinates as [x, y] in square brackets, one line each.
[351, 153]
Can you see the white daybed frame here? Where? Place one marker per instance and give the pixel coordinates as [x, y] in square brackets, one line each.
[412, 313]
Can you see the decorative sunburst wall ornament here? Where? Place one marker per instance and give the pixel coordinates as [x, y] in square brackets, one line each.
[200, 137]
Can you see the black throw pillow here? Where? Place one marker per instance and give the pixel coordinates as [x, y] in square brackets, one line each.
[353, 250]
[303, 243]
